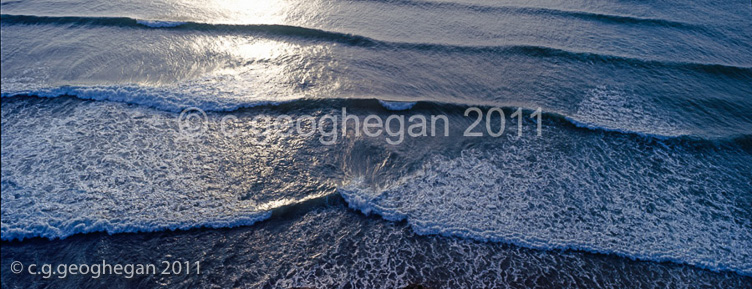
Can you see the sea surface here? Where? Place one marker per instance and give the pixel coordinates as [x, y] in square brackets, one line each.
[637, 174]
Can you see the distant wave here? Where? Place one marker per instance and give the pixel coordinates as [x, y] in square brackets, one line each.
[11, 2]
[583, 15]
[358, 40]
[279, 30]
[585, 56]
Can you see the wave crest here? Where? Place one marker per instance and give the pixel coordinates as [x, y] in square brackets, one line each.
[733, 70]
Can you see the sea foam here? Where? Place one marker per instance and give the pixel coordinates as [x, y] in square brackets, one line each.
[160, 23]
[597, 198]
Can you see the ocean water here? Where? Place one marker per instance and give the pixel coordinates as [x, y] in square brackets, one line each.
[639, 176]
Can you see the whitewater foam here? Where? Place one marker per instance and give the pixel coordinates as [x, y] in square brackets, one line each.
[160, 23]
[397, 105]
[72, 167]
[615, 110]
[594, 196]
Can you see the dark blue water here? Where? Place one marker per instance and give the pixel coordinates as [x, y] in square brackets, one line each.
[641, 175]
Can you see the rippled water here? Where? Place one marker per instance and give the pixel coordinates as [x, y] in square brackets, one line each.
[641, 175]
